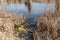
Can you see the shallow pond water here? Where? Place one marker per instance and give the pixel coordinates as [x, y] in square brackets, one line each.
[37, 10]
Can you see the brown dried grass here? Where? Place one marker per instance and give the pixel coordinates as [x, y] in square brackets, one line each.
[7, 24]
[48, 27]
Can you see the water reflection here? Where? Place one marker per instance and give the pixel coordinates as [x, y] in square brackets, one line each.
[28, 5]
[37, 9]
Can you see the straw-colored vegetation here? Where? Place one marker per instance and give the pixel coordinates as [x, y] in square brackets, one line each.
[8, 23]
[13, 26]
[48, 27]
[22, 1]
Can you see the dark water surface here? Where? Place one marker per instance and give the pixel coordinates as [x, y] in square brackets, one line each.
[38, 10]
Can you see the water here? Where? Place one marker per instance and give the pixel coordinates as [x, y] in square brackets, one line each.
[38, 10]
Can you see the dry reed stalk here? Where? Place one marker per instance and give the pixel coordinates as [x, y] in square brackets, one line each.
[48, 27]
[7, 25]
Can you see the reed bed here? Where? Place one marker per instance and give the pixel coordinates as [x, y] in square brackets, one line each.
[48, 27]
[7, 24]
